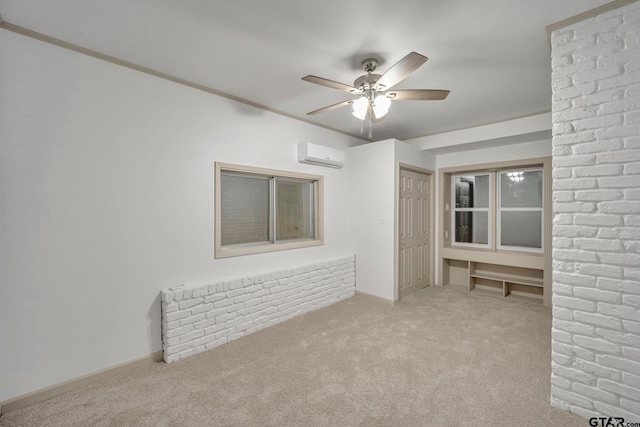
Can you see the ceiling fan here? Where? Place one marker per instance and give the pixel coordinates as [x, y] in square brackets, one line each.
[374, 90]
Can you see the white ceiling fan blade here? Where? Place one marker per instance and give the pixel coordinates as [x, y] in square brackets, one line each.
[400, 70]
[332, 107]
[418, 94]
[330, 83]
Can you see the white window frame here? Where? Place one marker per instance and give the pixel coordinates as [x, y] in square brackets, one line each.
[272, 245]
[499, 211]
[454, 210]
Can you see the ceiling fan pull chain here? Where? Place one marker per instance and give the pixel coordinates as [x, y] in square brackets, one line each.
[370, 126]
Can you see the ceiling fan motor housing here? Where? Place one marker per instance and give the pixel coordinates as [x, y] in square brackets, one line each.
[366, 82]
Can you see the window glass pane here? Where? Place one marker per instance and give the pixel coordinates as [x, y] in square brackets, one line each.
[521, 189]
[472, 191]
[244, 209]
[472, 227]
[294, 210]
[521, 228]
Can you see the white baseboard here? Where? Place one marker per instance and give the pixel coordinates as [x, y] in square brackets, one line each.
[54, 390]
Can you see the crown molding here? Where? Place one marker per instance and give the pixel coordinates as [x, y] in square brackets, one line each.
[586, 15]
[150, 71]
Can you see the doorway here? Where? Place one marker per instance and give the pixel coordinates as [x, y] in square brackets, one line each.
[414, 230]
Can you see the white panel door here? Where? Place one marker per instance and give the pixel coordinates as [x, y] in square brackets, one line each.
[413, 235]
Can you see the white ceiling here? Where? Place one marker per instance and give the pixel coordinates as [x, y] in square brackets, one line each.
[493, 55]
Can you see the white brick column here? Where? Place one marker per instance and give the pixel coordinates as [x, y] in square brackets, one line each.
[596, 224]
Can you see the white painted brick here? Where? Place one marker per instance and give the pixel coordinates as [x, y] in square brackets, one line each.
[621, 311]
[632, 301]
[631, 406]
[178, 348]
[564, 267]
[597, 220]
[595, 393]
[633, 142]
[600, 146]
[224, 318]
[575, 183]
[619, 337]
[170, 307]
[632, 220]
[560, 382]
[574, 255]
[574, 375]
[561, 336]
[599, 245]
[166, 296]
[598, 195]
[191, 319]
[235, 292]
[621, 286]
[188, 303]
[204, 340]
[631, 326]
[561, 359]
[631, 260]
[620, 389]
[216, 313]
[191, 336]
[205, 323]
[575, 279]
[563, 219]
[212, 314]
[631, 273]
[589, 366]
[598, 345]
[202, 308]
[632, 353]
[223, 303]
[598, 320]
[598, 122]
[597, 295]
[571, 398]
[619, 156]
[176, 332]
[566, 290]
[574, 231]
[602, 270]
[558, 403]
[621, 363]
[213, 330]
[562, 243]
[177, 315]
[631, 380]
[242, 298]
[573, 303]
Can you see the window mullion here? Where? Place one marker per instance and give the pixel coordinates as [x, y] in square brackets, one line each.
[272, 205]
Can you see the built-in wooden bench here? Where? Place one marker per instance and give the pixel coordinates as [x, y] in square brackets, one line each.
[519, 277]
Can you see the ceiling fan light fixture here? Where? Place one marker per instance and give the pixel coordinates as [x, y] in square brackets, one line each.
[360, 107]
[381, 106]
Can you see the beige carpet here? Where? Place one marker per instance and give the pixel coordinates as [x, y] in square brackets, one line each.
[439, 358]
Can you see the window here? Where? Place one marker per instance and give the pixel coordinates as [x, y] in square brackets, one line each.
[471, 212]
[520, 210]
[261, 210]
[513, 207]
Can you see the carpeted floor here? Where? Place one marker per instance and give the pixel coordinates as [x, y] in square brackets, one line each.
[438, 358]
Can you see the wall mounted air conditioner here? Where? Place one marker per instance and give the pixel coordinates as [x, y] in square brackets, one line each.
[320, 155]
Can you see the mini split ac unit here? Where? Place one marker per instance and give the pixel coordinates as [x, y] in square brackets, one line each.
[320, 155]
